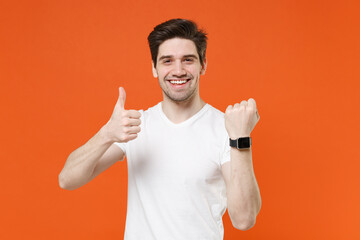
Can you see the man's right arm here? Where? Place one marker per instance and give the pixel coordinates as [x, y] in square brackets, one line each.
[99, 153]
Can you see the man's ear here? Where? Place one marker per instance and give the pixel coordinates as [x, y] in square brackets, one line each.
[203, 67]
[154, 70]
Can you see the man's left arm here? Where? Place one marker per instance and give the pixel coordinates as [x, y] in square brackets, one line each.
[243, 195]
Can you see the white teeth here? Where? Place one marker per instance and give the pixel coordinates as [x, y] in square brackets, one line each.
[178, 81]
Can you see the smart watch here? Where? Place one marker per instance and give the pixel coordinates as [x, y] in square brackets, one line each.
[241, 143]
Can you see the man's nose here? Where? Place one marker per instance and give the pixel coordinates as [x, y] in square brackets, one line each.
[179, 70]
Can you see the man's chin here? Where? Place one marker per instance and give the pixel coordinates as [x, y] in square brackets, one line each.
[178, 97]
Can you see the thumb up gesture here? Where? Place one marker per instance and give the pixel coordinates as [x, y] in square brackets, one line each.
[124, 125]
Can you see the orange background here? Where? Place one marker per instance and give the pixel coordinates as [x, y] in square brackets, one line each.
[61, 63]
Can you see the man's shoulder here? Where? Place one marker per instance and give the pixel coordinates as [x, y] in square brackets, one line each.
[150, 109]
[149, 113]
[214, 122]
[215, 112]
[215, 117]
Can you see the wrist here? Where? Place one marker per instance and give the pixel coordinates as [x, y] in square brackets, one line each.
[106, 134]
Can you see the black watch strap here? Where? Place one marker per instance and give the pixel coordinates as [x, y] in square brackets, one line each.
[241, 143]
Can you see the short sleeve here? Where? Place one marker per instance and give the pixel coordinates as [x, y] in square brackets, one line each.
[225, 155]
[122, 146]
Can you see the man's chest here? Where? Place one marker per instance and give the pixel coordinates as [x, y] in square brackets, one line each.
[181, 155]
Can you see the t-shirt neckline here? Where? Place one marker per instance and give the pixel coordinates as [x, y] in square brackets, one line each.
[187, 121]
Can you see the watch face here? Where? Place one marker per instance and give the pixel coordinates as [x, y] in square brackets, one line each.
[240, 143]
[244, 142]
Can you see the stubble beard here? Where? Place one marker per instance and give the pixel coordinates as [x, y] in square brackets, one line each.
[190, 93]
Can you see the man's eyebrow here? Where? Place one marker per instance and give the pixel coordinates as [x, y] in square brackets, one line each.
[165, 56]
[185, 56]
[191, 55]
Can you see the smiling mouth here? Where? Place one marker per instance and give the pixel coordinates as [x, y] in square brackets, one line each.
[179, 81]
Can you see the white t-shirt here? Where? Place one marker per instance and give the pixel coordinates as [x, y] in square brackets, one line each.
[175, 186]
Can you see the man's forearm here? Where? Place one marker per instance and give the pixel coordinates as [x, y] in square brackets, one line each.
[244, 199]
[123, 126]
[81, 163]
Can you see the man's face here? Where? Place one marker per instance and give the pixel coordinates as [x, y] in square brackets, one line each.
[178, 69]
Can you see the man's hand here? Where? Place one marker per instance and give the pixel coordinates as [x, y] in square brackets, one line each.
[124, 125]
[241, 119]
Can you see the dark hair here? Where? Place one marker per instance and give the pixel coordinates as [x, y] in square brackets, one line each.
[181, 28]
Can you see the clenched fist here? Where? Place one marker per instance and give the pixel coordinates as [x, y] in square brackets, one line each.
[124, 125]
[241, 119]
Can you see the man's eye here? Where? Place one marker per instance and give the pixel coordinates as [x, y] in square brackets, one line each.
[167, 61]
[188, 59]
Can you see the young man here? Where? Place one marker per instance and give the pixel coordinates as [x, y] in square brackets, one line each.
[182, 173]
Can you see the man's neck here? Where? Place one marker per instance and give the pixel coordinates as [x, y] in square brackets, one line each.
[178, 112]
